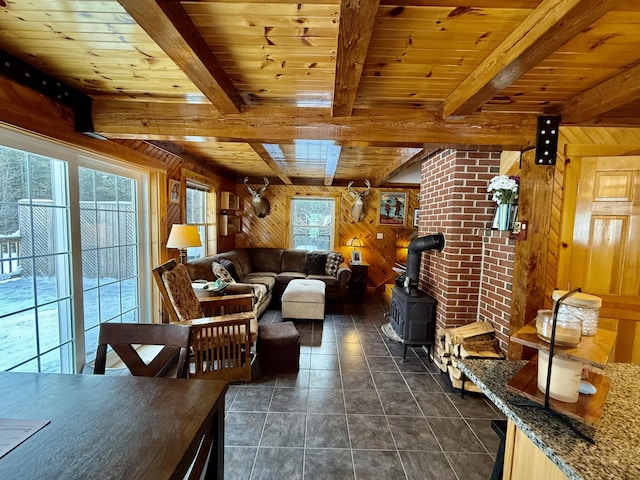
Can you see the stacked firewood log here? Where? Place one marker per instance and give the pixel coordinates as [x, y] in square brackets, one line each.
[475, 340]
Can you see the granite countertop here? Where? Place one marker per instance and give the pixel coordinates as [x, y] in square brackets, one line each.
[615, 452]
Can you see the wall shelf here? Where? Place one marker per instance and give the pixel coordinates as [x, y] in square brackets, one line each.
[229, 224]
[229, 201]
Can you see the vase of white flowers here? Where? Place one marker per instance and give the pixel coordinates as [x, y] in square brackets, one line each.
[505, 194]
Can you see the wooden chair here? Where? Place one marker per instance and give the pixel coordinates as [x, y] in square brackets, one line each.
[177, 293]
[122, 337]
[221, 345]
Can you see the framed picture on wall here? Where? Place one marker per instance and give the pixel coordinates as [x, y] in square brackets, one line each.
[392, 211]
[416, 217]
[174, 191]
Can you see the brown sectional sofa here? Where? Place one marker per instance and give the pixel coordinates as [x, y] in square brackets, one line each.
[267, 271]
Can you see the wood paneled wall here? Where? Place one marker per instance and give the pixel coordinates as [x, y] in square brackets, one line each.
[380, 254]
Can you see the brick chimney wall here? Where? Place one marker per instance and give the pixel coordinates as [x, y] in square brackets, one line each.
[454, 200]
[495, 284]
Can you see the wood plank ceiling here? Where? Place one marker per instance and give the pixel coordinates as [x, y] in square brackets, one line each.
[328, 91]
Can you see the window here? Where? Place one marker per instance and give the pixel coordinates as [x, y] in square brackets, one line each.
[312, 223]
[110, 274]
[71, 237]
[197, 215]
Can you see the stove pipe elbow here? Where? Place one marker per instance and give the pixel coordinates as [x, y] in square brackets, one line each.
[416, 247]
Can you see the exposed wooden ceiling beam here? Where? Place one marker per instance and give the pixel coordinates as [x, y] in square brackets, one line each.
[357, 20]
[266, 124]
[167, 23]
[544, 30]
[614, 92]
[400, 166]
[273, 165]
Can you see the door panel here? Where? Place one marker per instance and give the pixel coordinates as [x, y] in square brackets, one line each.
[605, 249]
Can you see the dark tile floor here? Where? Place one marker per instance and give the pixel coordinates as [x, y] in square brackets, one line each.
[356, 410]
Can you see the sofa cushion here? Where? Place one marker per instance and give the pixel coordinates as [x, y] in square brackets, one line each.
[315, 263]
[231, 268]
[333, 262]
[286, 277]
[240, 260]
[222, 273]
[261, 278]
[329, 280]
[265, 259]
[293, 261]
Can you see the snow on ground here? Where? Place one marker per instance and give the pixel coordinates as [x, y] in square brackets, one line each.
[21, 321]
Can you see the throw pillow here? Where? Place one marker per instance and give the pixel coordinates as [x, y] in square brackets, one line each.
[231, 268]
[220, 272]
[333, 262]
[315, 263]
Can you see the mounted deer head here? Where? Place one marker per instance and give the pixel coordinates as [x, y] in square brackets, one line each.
[261, 206]
[357, 212]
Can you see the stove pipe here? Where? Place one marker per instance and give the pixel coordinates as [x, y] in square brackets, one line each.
[416, 247]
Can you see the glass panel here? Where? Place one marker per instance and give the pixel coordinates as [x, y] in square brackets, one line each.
[59, 360]
[90, 343]
[126, 192]
[129, 291]
[54, 325]
[58, 285]
[15, 185]
[109, 301]
[89, 269]
[105, 185]
[114, 264]
[91, 307]
[108, 264]
[18, 339]
[16, 295]
[128, 262]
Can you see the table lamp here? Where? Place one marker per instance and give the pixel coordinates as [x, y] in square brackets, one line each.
[183, 237]
[356, 257]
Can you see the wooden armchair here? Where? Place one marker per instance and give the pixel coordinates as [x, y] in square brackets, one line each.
[174, 340]
[221, 345]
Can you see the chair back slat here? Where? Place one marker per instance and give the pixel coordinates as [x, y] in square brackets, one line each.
[222, 350]
[122, 337]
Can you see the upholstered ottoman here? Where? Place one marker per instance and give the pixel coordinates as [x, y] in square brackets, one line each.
[278, 348]
[304, 299]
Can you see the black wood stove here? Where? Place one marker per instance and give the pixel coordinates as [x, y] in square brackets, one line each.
[412, 315]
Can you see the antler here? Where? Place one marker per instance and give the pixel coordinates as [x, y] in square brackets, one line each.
[251, 190]
[353, 193]
[264, 187]
[368, 184]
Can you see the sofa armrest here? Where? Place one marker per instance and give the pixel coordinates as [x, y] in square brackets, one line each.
[344, 277]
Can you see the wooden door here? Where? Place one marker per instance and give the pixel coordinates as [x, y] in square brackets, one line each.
[605, 248]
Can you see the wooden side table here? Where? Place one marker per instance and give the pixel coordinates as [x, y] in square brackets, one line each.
[359, 279]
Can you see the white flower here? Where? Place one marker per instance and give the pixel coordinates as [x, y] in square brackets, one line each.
[504, 188]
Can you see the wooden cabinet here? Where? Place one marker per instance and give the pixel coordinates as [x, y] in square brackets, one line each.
[523, 460]
[230, 224]
[229, 201]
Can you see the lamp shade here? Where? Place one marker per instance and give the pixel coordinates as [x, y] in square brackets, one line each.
[355, 242]
[184, 236]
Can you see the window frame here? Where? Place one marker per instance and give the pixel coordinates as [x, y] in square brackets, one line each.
[74, 158]
[290, 199]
